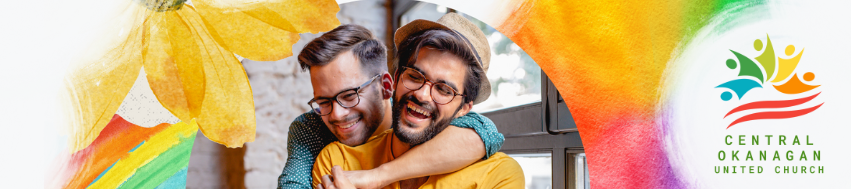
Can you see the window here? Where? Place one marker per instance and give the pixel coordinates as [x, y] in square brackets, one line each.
[581, 175]
[515, 78]
[524, 104]
[538, 169]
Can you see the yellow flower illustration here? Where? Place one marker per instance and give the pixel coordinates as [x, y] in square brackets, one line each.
[187, 51]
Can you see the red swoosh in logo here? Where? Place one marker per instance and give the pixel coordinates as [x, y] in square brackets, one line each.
[774, 115]
[771, 104]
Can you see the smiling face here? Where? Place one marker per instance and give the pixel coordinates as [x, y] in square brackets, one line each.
[352, 125]
[416, 117]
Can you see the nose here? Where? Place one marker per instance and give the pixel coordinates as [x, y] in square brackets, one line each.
[338, 113]
[423, 94]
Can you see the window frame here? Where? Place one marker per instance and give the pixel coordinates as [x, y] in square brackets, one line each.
[543, 136]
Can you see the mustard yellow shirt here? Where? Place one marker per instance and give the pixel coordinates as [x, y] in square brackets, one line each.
[498, 171]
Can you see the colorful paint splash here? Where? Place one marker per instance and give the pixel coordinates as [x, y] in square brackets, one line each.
[608, 59]
[187, 51]
[754, 75]
[129, 156]
[616, 63]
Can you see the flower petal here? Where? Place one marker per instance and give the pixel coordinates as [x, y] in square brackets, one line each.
[174, 65]
[227, 111]
[265, 31]
[96, 89]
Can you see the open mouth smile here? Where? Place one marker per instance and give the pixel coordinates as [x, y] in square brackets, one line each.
[417, 111]
[346, 128]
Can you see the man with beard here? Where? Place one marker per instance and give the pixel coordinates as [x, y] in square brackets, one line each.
[441, 73]
[351, 103]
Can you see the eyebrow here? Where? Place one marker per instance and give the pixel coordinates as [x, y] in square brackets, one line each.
[335, 94]
[437, 80]
[372, 79]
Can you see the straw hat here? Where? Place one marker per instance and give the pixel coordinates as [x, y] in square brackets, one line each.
[476, 42]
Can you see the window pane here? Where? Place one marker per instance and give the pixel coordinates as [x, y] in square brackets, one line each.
[515, 78]
[582, 179]
[538, 169]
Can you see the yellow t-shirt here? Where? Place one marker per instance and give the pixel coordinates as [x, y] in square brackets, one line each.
[498, 171]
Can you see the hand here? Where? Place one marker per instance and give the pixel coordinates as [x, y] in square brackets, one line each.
[336, 181]
[364, 179]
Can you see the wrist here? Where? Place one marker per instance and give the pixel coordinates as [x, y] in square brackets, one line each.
[382, 174]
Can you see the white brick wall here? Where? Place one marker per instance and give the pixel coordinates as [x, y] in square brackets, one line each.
[281, 91]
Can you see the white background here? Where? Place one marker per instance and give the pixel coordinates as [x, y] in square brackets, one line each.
[697, 127]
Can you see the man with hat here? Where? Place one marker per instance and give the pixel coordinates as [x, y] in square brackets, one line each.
[440, 74]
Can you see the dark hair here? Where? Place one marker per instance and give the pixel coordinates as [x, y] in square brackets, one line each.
[370, 52]
[442, 40]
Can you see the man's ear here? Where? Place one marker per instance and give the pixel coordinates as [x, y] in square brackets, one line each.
[465, 108]
[387, 85]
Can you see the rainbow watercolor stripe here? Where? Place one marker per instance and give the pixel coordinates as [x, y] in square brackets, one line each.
[125, 155]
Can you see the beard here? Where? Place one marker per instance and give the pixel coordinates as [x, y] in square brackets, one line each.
[371, 119]
[414, 138]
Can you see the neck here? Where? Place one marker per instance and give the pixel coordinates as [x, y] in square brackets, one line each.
[387, 120]
[399, 147]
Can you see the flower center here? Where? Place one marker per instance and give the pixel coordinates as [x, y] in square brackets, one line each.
[162, 5]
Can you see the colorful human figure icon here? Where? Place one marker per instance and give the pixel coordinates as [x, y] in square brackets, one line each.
[787, 66]
[747, 67]
[795, 86]
[766, 59]
[739, 86]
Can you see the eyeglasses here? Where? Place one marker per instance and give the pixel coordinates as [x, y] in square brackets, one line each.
[347, 99]
[441, 93]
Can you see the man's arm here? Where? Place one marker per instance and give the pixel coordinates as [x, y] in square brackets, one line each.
[474, 138]
[307, 136]
[485, 128]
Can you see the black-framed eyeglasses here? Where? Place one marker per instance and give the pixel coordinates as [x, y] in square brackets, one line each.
[347, 99]
[441, 93]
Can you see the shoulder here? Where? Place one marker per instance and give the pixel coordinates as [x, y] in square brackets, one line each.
[309, 128]
[499, 171]
[337, 153]
[384, 135]
[331, 155]
[305, 121]
[474, 115]
[333, 148]
[501, 160]
[506, 167]
[324, 161]
[472, 118]
[374, 143]
[504, 172]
